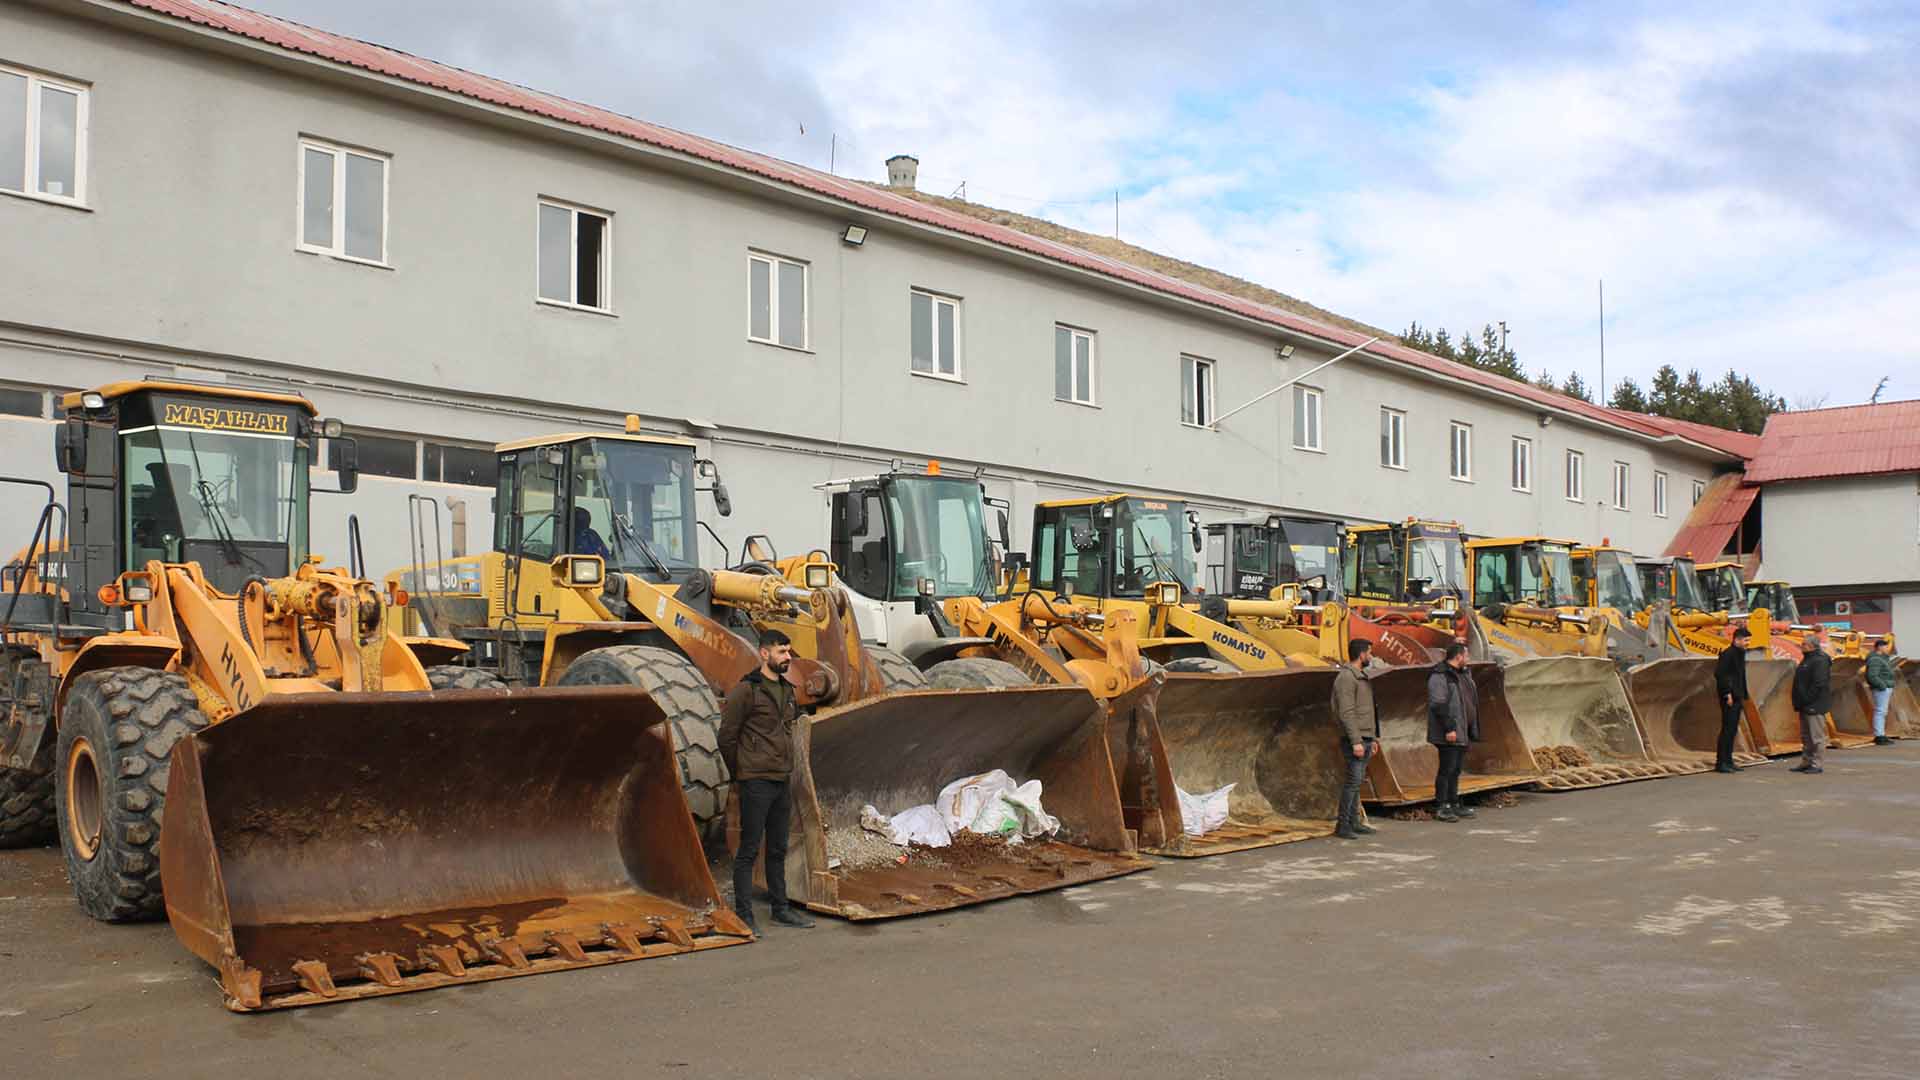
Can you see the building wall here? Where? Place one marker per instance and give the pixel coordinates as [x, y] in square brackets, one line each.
[187, 256]
[1851, 531]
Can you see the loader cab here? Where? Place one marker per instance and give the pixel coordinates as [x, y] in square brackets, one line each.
[1777, 598]
[1605, 577]
[1116, 547]
[1673, 580]
[1248, 559]
[628, 499]
[1724, 587]
[1414, 562]
[184, 472]
[895, 535]
[1522, 570]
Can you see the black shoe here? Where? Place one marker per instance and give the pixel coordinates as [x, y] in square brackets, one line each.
[786, 916]
[1882, 740]
[1445, 813]
[1801, 768]
[1465, 811]
[1346, 834]
[1725, 769]
[1815, 771]
[1365, 830]
[747, 917]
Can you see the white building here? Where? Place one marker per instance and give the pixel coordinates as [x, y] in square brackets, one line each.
[446, 261]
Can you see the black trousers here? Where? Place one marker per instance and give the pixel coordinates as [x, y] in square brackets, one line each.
[1446, 783]
[1730, 716]
[1350, 791]
[766, 810]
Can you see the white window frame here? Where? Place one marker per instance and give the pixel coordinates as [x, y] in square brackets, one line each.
[1699, 491]
[1203, 395]
[1659, 493]
[1397, 441]
[1460, 451]
[30, 174]
[774, 262]
[338, 249]
[1576, 478]
[1622, 484]
[574, 210]
[959, 350]
[1520, 467]
[1092, 399]
[1314, 431]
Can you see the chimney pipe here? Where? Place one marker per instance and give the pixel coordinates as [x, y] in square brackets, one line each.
[903, 171]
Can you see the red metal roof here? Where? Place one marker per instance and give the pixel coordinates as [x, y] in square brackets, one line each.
[1738, 443]
[381, 60]
[1857, 440]
[1713, 520]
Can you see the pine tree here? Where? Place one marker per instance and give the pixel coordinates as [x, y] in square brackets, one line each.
[1545, 381]
[1627, 396]
[1575, 386]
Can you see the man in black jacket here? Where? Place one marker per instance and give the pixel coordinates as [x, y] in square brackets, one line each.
[1730, 682]
[1453, 722]
[1813, 699]
[756, 740]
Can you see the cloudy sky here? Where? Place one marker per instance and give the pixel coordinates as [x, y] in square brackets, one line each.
[1746, 178]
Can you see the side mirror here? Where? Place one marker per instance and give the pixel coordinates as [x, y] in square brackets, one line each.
[346, 462]
[1003, 528]
[760, 549]
[721, 500]
[70, 446]
[1198, 543]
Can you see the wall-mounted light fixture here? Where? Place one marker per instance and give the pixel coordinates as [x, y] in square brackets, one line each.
[1546, 419]
[855, 235]
[1284, 352]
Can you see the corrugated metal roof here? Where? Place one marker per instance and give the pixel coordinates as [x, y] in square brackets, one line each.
[393, 63]
[1738, 443]
[1713, 520]
[1858, 440]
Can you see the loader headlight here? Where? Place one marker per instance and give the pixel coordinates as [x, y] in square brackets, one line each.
[924, 586]
[579, 571]
[1166, 594]
[819, 575]
[136, 588]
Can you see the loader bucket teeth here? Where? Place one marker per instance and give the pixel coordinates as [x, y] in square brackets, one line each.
[1402, 772]
[1271, 734]
[1575, 715]
[1679, 713]
[898, 751]
[1772, 725]
[1852, 715]
[329, 846]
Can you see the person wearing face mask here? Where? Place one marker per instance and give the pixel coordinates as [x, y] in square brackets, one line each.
[756, 740]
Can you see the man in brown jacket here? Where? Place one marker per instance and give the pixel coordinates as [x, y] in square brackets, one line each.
[756, 739]
[1360, 730]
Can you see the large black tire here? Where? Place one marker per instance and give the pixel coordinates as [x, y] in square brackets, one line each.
[896, 671]
[975, 673]
[455, 677]
[692, 709]
[26, 803]
[110, 785]
[1205, 664]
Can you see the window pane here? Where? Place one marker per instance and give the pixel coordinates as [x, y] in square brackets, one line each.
[366, 207]
[59, 141]
[13, 131]
[760, 299]
[15, 402]
[920, 314]
[1386, 449]
[1299, 416]
[316, 227]
[793, 305]
[1203, 401]
[1063, 363]
[590, 256]
[377, 456]
[1082, 368]
[556, 253]
[949, 337]
[1186, 392]
[1313, 419]
[458, 464]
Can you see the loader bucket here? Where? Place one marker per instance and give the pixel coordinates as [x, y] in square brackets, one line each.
[1402, 772]
[1903, 712]
[1271, 734]
[1679, 713]
[326, 846]
[1772, 725]
[1575, 715]
[1851, 721]
[898, 751]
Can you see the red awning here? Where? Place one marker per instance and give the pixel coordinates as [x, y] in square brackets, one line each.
[1714, 519]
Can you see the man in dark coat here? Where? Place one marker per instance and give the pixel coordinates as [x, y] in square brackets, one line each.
[756, 740]
[1360, 730]
[1730, 682]
[1813, 700]
[1453, 722]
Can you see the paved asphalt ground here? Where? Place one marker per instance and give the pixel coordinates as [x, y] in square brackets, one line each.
[1764, 925]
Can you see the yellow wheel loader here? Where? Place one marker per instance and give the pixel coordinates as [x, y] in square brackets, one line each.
[595, 580]
[1406, 582]
[1569, 659]
[237, 737]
